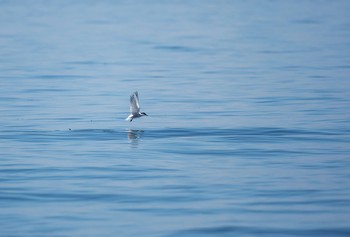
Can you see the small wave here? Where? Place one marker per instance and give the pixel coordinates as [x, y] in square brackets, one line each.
[256, 231]
[229, 134]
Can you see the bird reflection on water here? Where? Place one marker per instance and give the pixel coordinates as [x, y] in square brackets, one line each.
[134, 136]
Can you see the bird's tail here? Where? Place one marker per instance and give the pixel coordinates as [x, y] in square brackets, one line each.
[129, 118]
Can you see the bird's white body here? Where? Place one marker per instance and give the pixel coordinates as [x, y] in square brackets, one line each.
[135, 107]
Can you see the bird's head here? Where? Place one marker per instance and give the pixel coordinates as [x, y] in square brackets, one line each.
[143, 113]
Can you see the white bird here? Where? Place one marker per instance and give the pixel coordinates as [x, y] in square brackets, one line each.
[135, 107]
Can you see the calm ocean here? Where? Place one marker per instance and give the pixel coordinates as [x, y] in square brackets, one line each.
[248, 132]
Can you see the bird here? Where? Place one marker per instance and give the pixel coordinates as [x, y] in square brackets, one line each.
[135, 107]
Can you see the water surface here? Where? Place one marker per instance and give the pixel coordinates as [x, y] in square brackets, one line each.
[248, 128]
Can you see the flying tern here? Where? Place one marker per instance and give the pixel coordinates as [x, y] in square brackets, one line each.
[135, 107]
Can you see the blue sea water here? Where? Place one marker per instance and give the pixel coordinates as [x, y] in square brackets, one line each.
[248, 130]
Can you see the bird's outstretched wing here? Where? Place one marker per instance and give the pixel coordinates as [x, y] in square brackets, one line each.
[134, 103]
